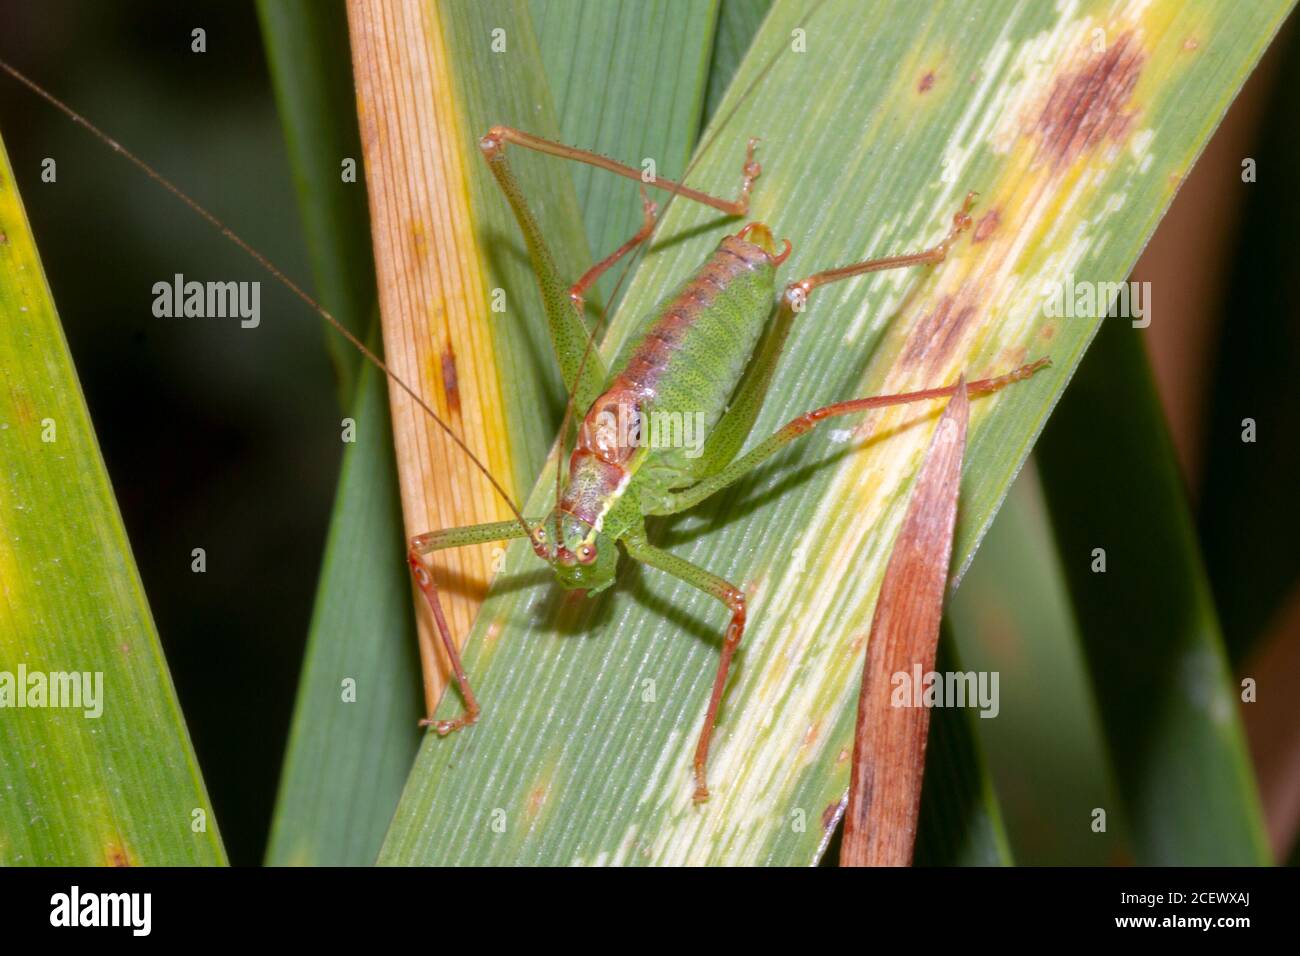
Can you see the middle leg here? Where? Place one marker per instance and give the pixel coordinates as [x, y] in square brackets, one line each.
[730, 433]
[686, 498]
[798, 291]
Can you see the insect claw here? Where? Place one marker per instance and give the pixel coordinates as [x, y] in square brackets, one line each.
[445, 727]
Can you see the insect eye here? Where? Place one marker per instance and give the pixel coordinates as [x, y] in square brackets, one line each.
[586, 554]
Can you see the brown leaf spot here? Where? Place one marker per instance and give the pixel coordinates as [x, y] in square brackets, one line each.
[831, 815]
[987, 225]
[927, 82]
[450, 379]
[24, 411]
[1088, 106]
[536, 800]
[939, 332]
[1191, 43]
[115, 855]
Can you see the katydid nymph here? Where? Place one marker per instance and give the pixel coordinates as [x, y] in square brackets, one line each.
[708, 351]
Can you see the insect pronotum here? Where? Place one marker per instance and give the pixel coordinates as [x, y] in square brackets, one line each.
[699, 356]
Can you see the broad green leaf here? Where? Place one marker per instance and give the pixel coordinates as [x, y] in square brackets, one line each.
[110, 781]
[1076, 123]
[1150, 633]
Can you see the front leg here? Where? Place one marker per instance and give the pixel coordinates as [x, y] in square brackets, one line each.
[422, 544]
[734, 599]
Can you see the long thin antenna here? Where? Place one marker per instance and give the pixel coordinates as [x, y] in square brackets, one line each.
[275, 272]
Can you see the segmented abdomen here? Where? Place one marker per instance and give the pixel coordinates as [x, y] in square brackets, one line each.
[694, 350]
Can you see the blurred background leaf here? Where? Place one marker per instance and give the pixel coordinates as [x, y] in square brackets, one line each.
[1012, 616]
[1167, 700]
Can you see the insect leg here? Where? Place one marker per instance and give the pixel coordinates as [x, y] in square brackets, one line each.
[961, 221]
[731, 431]
[436, 541]
[583, 373]
[500, 135]
[730, 595]
[579, 289]
[689, 497]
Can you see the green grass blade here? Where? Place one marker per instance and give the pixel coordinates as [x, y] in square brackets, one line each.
[583, 754]
[1167, 698]
[121, 788]
[627, 78]
[350, 745]
[354, 725]
[307, 49]
[738, 22]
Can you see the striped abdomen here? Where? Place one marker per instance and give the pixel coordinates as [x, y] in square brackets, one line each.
[693, 351]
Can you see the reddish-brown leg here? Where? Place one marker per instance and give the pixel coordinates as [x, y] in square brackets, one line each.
[642, 550]
[793, 429]
[424, 580]
[961, 221]
[421, 544]
[578, 290]
[497, 136]
[735, 601]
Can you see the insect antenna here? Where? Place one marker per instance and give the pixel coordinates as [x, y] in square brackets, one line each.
[276, 274]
